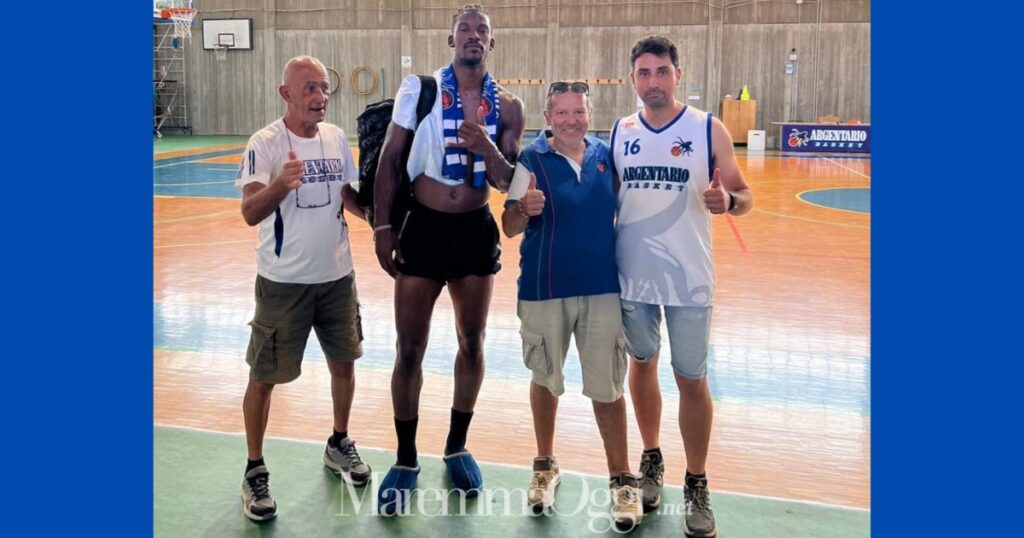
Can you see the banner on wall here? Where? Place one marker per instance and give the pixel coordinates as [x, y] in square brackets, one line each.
[811, 137]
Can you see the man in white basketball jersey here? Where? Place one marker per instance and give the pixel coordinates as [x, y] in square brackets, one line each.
[677, 168]
[295, 181]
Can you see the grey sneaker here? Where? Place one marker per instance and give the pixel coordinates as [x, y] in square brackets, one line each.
[626, 509]
[546, 478]
[652, 471]
[257, 504]
[345, 461]
[700, 520]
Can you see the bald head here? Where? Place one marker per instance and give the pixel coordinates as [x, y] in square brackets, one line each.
[306, 90]
[299, 63]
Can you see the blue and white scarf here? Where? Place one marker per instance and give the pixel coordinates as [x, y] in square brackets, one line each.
[455, 159]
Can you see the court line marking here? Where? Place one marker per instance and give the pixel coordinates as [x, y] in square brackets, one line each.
[196, 217]
[206, 244]
[777, 154]
[807, 255]
[199, 161]
[794, 217]
[177, 163]
[175, 153]
[774, 181]
[736, 233]
[186, 184]
[808, 202]
[197, 197]
[845, 167]
[520, 467]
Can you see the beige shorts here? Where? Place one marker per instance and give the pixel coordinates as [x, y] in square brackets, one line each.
[284, 315]
[596, 323]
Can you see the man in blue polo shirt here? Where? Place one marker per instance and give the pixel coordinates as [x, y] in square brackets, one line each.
[563, 197]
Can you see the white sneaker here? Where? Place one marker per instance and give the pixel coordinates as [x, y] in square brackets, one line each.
[345, 461]
[546, 478]
[257, 504]
[627, 510]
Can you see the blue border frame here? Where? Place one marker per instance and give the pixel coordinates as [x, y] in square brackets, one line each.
[78, 271]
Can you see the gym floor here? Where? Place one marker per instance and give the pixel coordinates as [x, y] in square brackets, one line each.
[789, 372]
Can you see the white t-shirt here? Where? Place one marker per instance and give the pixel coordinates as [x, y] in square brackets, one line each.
[305, 240]
[663, 230]
[427, 152]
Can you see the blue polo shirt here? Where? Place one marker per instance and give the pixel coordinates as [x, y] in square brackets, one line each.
[569, 251]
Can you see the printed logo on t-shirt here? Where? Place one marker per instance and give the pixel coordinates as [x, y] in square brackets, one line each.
[315, 190]
[658, 178]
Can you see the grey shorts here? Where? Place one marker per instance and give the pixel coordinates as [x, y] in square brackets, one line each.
[688, 330]
[284, 315]
[596, 323]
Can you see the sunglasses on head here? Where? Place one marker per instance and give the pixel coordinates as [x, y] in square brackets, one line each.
[575, 87]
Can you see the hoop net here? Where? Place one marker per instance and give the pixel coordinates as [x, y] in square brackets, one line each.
[182, 18]
[222, 52]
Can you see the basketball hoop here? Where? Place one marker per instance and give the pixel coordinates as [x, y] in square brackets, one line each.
[222, 52]
[182, 18]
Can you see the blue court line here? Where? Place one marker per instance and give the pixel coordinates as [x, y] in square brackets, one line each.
[190, 176]
[168, 161]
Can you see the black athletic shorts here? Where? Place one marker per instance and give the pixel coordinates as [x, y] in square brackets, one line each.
[446, 246]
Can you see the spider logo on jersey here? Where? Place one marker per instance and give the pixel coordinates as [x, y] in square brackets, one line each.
[680, 147]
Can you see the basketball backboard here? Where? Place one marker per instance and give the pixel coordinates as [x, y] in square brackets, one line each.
[233, 34]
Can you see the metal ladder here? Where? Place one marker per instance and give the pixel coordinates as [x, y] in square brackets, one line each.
[170, 109]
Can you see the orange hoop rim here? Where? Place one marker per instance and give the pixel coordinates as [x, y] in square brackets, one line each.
[167, 13]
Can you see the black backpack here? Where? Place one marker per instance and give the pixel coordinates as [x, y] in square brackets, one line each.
[371, 126]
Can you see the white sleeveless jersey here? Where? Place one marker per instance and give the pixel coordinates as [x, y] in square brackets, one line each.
[663, 230]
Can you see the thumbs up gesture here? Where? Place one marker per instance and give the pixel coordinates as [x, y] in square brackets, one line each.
[473, 135]
[716, 199]
[291, 174]
[533, 201]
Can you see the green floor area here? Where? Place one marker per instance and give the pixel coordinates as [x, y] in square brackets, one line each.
[183, 142]
[198, 476]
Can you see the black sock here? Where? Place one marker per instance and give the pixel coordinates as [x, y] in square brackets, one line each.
[693, 478]
[335, 440]
[656, 450]
[623, 479]
[252, 464]
[457, 432]
[406, 430]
